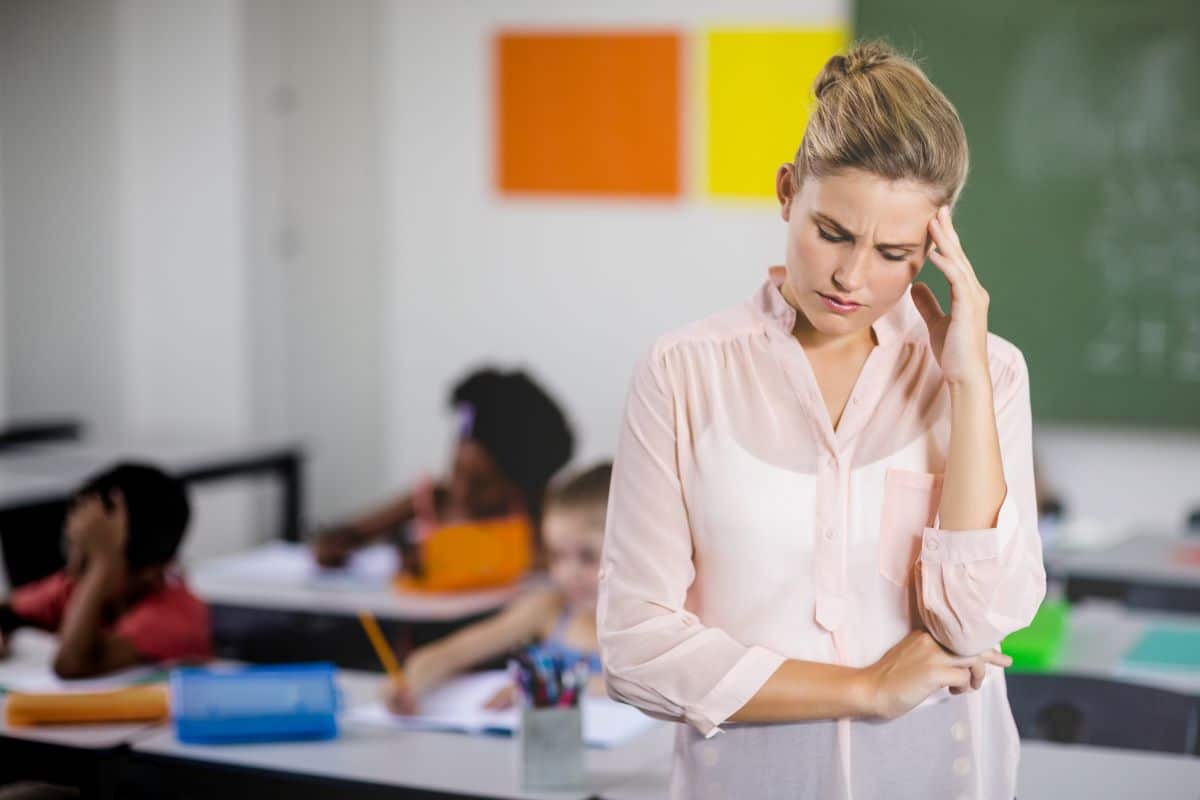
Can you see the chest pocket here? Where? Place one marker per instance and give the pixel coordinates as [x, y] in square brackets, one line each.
[910, 504]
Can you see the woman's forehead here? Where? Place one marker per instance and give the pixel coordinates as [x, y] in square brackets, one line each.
[890, 210]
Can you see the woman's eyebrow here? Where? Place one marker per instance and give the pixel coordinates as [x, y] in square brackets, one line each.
[843, 230]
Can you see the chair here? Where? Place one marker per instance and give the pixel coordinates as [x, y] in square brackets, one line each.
[1081, 710]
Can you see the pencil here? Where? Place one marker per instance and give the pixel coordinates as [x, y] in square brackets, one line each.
[382, 649]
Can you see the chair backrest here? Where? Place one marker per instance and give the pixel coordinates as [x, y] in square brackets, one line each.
[1083, 710]
[28, 434]
[31, 541]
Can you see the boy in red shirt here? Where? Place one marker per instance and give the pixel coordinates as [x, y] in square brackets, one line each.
[117, 603]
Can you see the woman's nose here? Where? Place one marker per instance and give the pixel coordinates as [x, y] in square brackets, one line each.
[850, 273]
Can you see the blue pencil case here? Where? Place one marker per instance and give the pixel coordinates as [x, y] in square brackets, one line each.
[254, 704]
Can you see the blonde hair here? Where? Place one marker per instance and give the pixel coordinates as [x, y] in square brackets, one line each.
[877, 111]
[584, 491]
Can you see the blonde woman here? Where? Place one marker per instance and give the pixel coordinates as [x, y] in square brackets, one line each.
[822, 519]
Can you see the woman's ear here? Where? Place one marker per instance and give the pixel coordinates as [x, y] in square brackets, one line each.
[785, 189]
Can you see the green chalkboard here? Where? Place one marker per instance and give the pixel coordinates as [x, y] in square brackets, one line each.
[1082, 210]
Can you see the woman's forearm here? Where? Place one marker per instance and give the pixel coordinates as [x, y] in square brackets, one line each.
[974, 486]
[809, 690]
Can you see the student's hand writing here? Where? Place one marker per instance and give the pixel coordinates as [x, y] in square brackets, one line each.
[916, 667]
[97, 530]
[959, 339]
[333, 546]
[399, 698]
[502, 700]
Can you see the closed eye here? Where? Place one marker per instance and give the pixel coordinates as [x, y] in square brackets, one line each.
[829, 237]
[894, 257]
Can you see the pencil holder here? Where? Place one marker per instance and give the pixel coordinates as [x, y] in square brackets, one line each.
[550, 748]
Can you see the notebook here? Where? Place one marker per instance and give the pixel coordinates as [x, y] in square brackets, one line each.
[459, 706]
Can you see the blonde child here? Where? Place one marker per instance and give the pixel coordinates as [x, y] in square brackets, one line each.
[562, 613]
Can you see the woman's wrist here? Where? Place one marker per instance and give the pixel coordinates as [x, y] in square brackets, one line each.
[863, 691]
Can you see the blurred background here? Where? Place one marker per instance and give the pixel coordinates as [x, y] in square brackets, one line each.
[238, 221]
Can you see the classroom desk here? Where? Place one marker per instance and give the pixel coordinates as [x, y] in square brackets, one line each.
[281, 576]
[1152, 571]
[83, 755]
[273, 604]
[365, 762]
[372, 764]
[1100, 633]
[49, 473]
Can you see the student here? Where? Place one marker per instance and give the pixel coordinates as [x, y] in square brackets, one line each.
[118, 602]
[561, 615]
[512, 438]
[823, 519]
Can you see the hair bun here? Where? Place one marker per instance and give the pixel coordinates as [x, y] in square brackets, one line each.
[860, 59]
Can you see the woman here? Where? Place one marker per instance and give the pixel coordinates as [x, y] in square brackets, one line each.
[823, 519]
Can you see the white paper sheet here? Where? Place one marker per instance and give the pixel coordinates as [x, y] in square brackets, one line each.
[292, 566]
[29, 668]
[459, 706]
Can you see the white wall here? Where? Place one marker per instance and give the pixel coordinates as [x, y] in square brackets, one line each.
[126, 280]
[3, 331]
[1121, 477]
[58, 88]
[315, 272]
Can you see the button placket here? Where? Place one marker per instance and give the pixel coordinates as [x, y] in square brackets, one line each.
[827, 547]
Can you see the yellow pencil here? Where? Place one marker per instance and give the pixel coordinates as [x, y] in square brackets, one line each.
[382, 649]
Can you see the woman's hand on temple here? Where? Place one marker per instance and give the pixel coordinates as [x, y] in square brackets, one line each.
[959, 339]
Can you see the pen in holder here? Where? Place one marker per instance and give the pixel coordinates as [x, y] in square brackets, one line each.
[550, 739]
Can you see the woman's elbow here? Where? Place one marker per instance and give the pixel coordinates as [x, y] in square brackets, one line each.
[968, 623]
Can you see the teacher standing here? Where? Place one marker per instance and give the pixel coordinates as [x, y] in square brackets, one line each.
[822, 519]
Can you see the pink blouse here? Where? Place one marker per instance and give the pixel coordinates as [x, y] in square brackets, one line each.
[744, 530]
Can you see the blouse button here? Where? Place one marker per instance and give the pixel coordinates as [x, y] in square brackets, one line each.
[830, 533]
[962, 766]
[958, 731]
[931, 544]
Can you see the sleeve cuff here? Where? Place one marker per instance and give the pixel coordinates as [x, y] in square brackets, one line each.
[961, 547]
[734, 690]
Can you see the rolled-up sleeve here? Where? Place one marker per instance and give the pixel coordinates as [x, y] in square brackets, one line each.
[975, 587]
[658, 656]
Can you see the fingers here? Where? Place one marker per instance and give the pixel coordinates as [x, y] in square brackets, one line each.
[399, 699]
[926, 302]
[948, 255]
[956, 678]
[116, 499]
[996, 657]
[978, 673]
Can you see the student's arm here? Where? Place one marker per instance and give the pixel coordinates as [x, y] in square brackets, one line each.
[980, 575]
[426, 667]
[84, 648]
[520, 623]
[332, 547]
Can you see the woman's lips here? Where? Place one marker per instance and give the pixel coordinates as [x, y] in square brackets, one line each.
[833, 304]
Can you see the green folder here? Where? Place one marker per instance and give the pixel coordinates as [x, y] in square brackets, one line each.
[1038, 647]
